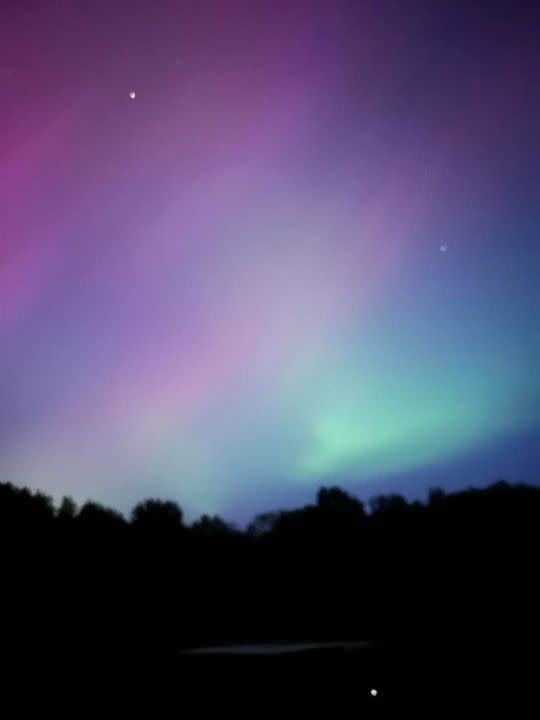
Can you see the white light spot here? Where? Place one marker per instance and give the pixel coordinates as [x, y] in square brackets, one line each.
[132, 95]
[373, 692]
[444, 248]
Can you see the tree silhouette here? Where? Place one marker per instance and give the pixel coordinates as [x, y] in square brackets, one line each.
[22, 510]
[262, 524]
[157, 516]
[67, 509]
[435, 496]
[335, 500]
[212, 527]
[99, 518]
[457, 571]
[388, 504]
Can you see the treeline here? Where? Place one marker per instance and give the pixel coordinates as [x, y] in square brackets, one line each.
[86, 582]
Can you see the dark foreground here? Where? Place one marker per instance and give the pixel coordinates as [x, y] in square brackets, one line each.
[292, 681]
[97, 614]
[340, 680]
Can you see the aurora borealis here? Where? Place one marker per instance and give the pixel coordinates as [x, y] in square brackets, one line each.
[306, 252]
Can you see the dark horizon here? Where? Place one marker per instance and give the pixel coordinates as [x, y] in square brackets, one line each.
[460, 474]
[441, 596]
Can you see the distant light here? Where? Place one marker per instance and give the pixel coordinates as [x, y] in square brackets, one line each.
[373, 692]
[444, 248]
[132, 95]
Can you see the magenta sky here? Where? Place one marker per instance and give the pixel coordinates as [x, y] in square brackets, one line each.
[231, 289]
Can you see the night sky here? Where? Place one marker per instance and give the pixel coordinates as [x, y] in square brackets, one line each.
[305, 252]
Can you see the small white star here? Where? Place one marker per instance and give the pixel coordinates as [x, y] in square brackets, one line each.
[373, 692]
[132, 95]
